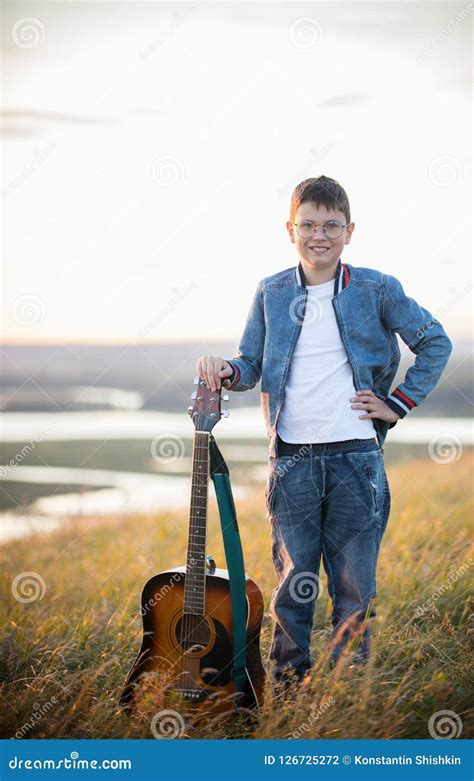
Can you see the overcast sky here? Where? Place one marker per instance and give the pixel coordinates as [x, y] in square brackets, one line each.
[150, 151]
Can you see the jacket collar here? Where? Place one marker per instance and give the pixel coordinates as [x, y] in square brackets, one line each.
[341, 281]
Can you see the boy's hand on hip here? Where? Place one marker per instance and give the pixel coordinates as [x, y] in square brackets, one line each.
[373, 406]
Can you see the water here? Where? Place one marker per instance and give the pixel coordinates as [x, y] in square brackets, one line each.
[122, 492]
[242, 423]
[126, 493]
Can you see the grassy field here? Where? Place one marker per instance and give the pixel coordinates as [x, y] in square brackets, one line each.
[65, 655]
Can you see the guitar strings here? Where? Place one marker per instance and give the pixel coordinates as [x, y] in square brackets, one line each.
[200, 480]
[185, 623]
[188, 618]
[185, 619]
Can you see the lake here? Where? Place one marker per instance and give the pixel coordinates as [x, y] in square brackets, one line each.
[50, 478]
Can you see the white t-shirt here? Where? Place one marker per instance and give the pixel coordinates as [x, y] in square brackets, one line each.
[319, 386]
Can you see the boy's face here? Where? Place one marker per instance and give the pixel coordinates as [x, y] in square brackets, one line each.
[307, 247]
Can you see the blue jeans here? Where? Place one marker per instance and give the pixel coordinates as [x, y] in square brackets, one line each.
[330, 500]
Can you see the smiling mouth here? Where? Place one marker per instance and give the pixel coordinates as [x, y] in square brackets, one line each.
[319, 250]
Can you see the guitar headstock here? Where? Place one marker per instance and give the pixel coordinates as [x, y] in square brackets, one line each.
[206, 408]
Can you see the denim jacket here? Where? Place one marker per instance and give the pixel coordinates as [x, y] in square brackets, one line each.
[370, 309]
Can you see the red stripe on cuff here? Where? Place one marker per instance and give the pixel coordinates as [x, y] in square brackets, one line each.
[405, 398]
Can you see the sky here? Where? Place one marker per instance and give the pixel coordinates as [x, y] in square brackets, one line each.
[150, 151]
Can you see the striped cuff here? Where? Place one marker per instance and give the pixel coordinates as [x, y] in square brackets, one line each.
[399, 402]
[229, 382]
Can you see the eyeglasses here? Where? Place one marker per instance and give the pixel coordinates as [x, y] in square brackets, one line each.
[332, 229]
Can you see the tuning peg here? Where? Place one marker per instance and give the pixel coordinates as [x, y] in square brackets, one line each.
[194, 394]
[225, 397]
[196, 380]
[190, 410]
[225, 413]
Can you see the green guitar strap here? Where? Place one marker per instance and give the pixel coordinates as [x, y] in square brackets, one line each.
[235, 562]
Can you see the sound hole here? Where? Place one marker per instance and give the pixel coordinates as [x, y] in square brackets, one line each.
[192, 632]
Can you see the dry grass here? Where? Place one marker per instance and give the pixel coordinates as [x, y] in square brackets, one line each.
[64, 657]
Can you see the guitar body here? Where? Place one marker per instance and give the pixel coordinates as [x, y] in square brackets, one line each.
[198, 674]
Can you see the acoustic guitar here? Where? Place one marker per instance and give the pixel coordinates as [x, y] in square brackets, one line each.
[187, 611]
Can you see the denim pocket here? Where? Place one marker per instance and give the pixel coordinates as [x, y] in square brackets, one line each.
[373, 487]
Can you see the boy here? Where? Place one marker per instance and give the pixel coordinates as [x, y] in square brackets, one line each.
[322, 337]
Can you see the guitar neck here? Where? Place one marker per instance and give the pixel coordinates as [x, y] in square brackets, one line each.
[195, 582]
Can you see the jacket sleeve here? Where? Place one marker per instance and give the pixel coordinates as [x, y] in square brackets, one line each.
[425, 337]
[247, 364]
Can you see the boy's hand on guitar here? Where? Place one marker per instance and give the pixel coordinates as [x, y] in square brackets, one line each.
[213, 370]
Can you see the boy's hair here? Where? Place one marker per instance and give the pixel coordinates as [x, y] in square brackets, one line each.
[322, 191]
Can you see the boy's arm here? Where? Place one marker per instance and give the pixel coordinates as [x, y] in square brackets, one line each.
[247, 364]
[425, 337]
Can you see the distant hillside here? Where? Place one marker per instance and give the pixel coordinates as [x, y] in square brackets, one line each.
[160, 376]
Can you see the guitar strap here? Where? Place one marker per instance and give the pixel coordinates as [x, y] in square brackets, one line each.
[235, 562]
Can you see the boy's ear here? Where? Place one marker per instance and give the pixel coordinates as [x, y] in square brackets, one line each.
[350, 230]
[291, 230]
